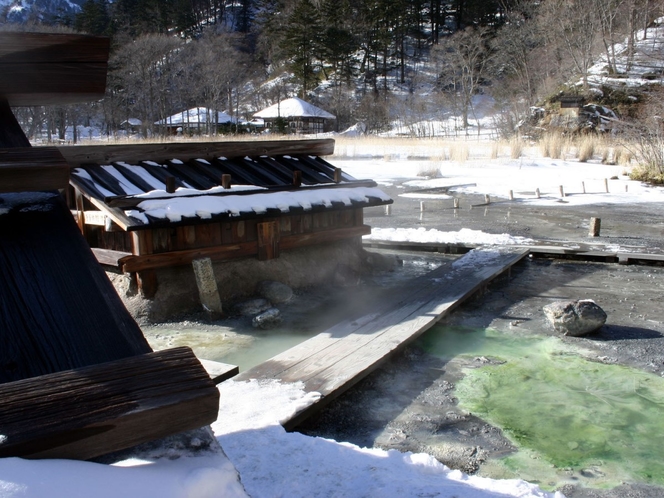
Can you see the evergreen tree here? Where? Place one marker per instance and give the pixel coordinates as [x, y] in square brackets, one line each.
[94, 18]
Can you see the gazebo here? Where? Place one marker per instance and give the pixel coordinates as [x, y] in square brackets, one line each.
[298, 116]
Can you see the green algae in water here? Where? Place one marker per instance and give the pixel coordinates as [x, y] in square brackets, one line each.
[590, 418]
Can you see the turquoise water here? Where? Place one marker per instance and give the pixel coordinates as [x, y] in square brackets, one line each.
[569, 417]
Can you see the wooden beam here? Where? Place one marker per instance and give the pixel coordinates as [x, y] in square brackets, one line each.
[91, 411]
[186, 151]
[268, 240]
[32, 169]
[242, 250]
[109, 257]
[49, 68]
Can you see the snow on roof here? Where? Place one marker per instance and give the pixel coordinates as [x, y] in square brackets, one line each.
[132, 122]
[194, 116]
[294, 107]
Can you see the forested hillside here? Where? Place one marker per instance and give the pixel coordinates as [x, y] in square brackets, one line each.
[374, 61]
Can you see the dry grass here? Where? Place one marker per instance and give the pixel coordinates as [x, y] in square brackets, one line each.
[516, 148]
[586, 149]
[554, 145]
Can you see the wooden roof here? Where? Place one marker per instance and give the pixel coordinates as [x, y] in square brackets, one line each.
[116, 178]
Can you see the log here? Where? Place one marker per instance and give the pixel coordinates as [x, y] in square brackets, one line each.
[91, 411]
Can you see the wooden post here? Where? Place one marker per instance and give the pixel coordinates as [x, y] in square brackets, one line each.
[626, 187]
[388, 210]
[297, 178]
[562, 191]
[583, 187]
[422, 207]
[226, 181]
[594, 227]
[511, 195]
[147, 283]
[537, 193]
[606, 185]
[170, 184]
[337, 175]
[268, 240]
[207, 286]
[487, 199]
[456, 203]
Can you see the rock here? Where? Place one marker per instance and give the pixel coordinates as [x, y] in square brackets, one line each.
[575, 318]
[253, 307]
[345, 276]
[267, 320]
[382, 262]
[275, 292]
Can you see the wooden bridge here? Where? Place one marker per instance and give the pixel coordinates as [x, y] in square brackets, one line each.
[336, 359]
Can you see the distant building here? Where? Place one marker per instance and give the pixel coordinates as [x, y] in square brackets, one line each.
[131, 125]
[297, 116]
[197, 120]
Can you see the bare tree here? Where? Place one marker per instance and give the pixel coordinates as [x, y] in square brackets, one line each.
[461, 65]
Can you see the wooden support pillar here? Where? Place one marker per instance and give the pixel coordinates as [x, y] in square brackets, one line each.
[268, 240]
[226, 181]
[595, 224]
[207, 286]
[297, 178]
[147, 283]
[337, 175]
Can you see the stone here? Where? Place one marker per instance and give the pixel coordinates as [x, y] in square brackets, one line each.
[275, 292]
[345, 276]
[253, 307]
[575, 318]
[267, 320]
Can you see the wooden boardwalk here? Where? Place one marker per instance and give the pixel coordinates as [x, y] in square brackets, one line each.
[336, 359]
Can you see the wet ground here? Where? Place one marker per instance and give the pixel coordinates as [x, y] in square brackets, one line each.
[411, 404]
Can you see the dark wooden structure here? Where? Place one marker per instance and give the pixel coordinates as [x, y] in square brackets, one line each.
[333, 361]
[77, 377]
[300, 191]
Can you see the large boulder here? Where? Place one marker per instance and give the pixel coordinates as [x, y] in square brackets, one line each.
[575, 318]
[275, 292]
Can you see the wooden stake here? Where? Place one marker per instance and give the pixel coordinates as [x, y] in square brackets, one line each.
[583, 187]
[337, 175]
[226, 181]
[170, 184]
[487, 199]
[422, 209]
[562, 191]
[537, 193]
[297, 178]
[626, 187]
[388, 210]
[511, 195]
[606, 185]
[595, 224]
[456, 203]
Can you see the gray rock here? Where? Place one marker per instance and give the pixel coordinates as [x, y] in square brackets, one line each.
[267, 320]
[575, 318]
[345, 276]
[275, 292]
[253, 307]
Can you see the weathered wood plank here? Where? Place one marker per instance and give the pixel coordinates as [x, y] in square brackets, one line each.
[336, 359]
[186, 151]
[238, 250]
[109, 257]
[43, 69]
[32, 169]
[218, 371]
[268, 240]
[91, 411]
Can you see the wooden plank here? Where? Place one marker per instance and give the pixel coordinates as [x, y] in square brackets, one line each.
[91, 411]
[43, 69]
[109, 257]
[32, 169]
[268, 240]
[338, 358]
[218, 371]
[185, 151]
[239, 250]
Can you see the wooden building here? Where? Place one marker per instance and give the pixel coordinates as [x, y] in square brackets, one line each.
[147, 207]
[297, 117]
